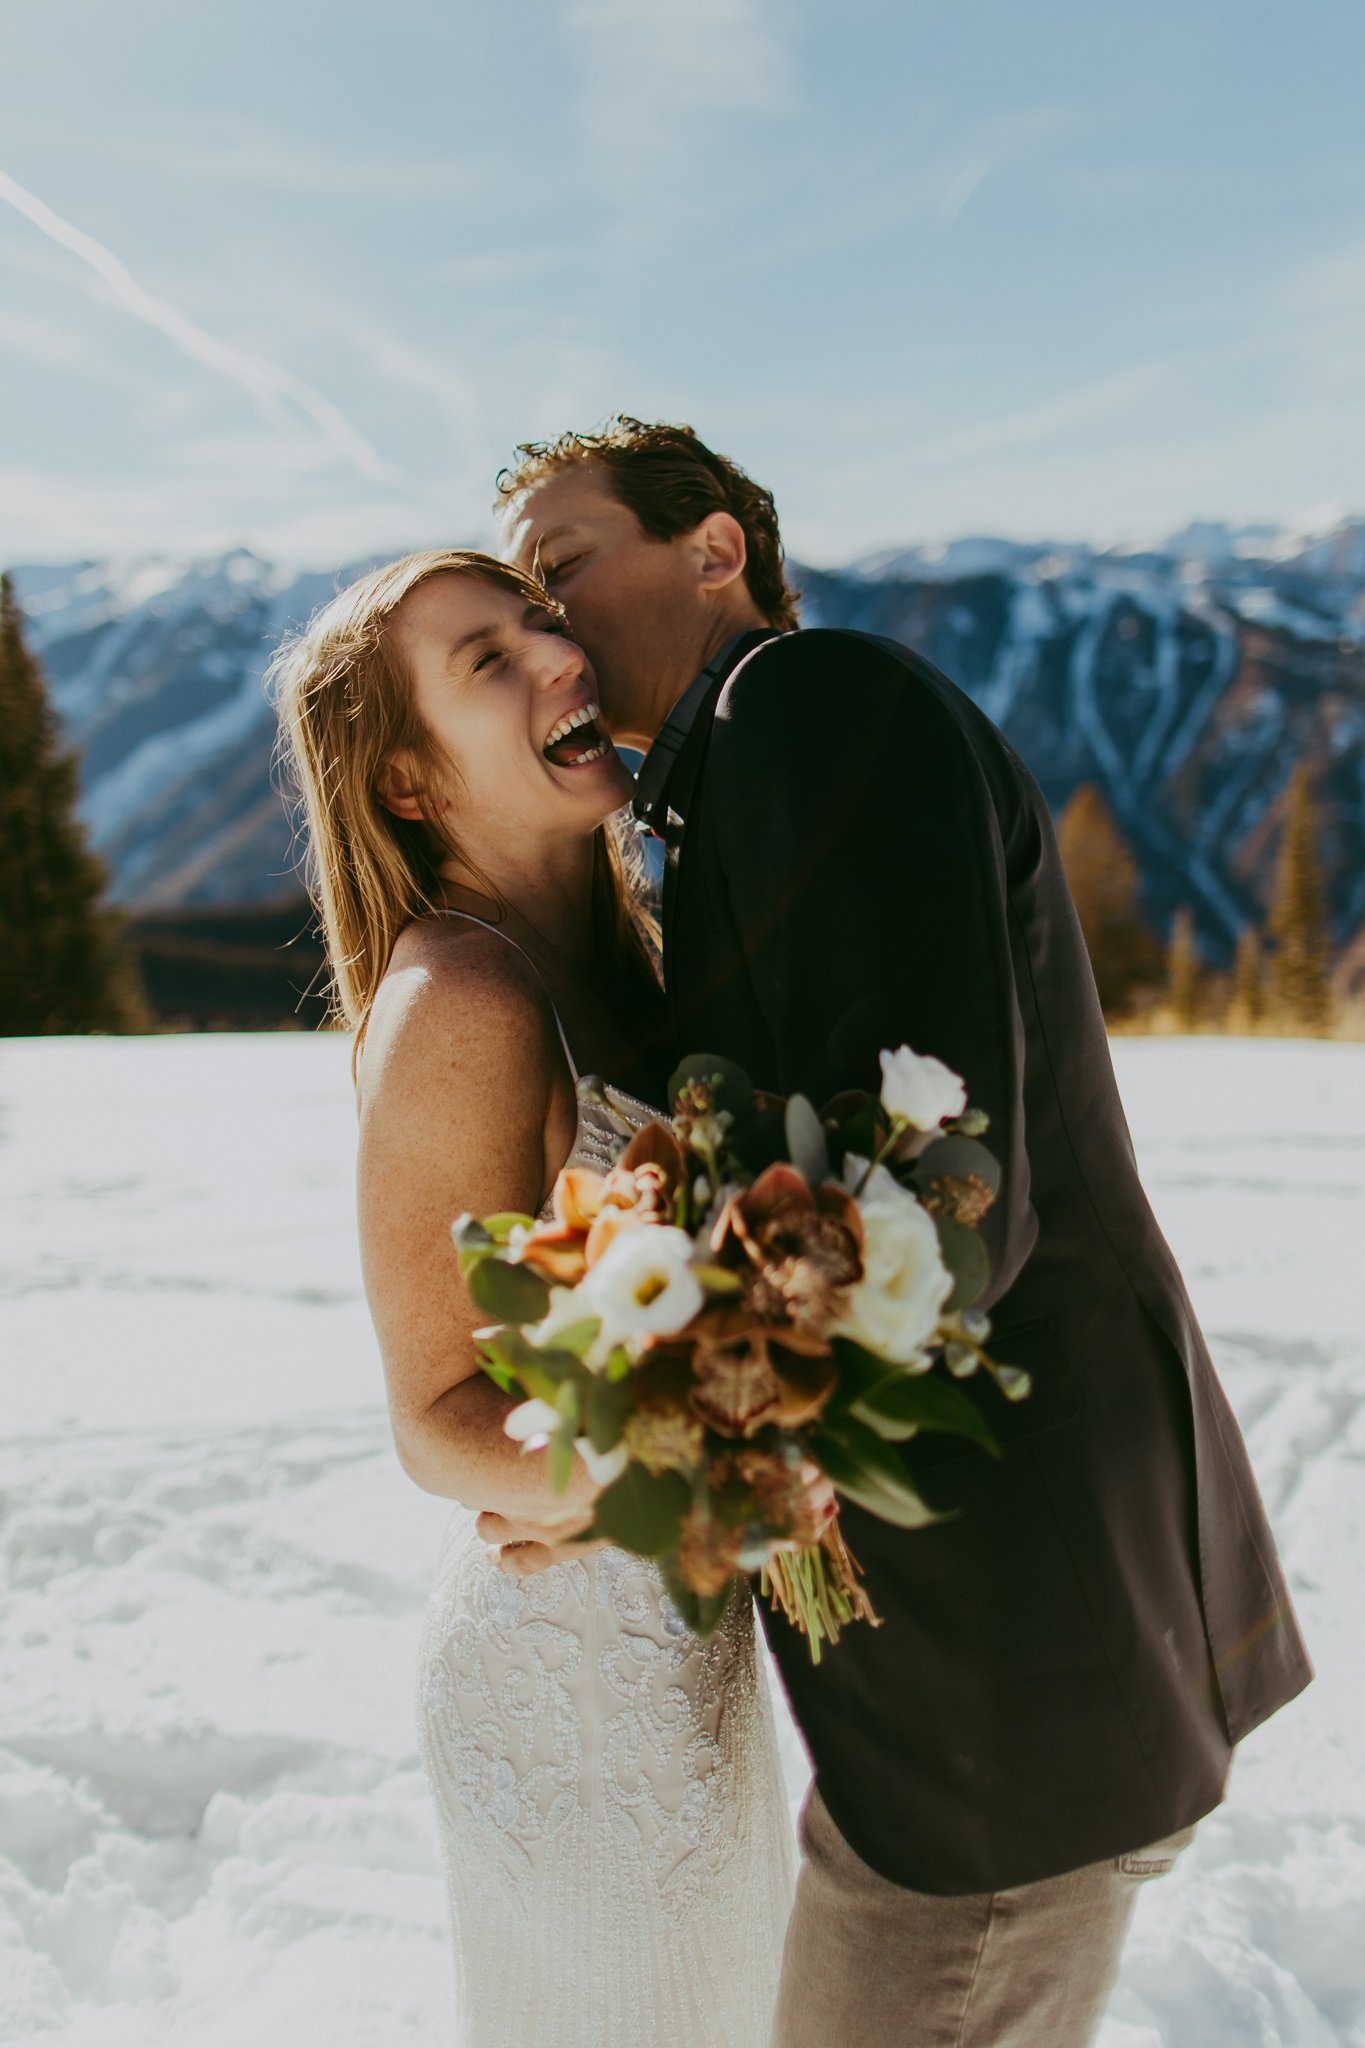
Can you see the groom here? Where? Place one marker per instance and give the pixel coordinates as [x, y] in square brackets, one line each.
[855, 858]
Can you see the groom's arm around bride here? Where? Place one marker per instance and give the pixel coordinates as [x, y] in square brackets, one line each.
[857, 859]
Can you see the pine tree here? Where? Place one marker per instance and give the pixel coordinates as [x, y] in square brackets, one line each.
[60, 964]
[1184, 973]
[1300, 988]
[1106, 887]
[1248, 991]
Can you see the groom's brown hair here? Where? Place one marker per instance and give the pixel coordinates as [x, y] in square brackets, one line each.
[671, 481]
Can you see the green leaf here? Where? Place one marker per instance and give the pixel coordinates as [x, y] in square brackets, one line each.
[501, 1226]
[702, 1613]
[956, 1158]
[859, 1372]
[606, 1406]
[731, 1088]
[904, 1403]
[493, 1366]
[514, 1294]
[858, 1133]
[966, 1259]
[560, 1455]
[869, 1472]
[642, 1511]
[578, 1337]
[512, 1348]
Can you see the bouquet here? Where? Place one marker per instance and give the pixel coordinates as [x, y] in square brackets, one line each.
[753, 1295]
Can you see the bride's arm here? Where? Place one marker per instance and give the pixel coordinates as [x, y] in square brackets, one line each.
[460, 1080]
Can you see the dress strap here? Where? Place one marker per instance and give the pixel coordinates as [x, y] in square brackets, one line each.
[470, 918]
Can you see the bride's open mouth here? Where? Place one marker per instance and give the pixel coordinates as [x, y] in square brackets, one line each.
[577, 740]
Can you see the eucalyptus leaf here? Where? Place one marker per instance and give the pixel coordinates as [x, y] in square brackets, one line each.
[514, 1294]
[957, 1159]
[966, 1259]
[806, 1146]
[642, 1511]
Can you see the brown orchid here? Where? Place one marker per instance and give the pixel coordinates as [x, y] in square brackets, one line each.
[804, 1245]
[748, 1373]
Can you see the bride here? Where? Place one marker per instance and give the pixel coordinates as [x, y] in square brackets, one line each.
[608, 1796]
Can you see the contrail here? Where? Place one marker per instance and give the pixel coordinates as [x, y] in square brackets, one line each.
[272, 388]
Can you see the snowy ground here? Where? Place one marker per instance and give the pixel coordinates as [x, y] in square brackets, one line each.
[212, 1824]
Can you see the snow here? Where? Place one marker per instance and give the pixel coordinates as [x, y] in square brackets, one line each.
[213, 1825]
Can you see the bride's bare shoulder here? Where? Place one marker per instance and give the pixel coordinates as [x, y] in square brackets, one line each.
[458, 1009]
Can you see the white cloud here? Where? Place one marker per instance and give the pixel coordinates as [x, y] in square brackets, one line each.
[277, 392]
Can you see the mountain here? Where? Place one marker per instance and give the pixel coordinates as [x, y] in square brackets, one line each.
[1185, 676]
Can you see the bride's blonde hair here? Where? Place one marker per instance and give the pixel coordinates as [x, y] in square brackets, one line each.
[346, 705]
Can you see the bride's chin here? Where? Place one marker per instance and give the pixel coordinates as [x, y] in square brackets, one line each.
[605, 788]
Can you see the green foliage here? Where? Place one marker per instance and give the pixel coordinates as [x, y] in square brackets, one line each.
[902, 1404]
[514, 1294]
[867, 1469]
[1300, 989]
[61, 967]
[642, 1511]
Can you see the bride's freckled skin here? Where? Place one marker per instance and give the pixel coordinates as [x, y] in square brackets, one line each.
[493, 679]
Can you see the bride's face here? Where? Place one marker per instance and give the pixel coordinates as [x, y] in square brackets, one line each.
[510, 701]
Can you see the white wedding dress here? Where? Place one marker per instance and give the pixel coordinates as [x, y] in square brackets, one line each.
[617, 1846]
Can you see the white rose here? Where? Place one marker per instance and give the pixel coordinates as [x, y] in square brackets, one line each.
[894, 1309]
[920, 1088]
[643, 1284]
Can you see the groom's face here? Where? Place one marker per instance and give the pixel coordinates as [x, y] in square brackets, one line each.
[633, 602]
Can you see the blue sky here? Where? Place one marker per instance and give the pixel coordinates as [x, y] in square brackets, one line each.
[300, 276]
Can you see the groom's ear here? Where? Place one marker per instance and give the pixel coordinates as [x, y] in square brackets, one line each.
[720, 550]
[399, 788]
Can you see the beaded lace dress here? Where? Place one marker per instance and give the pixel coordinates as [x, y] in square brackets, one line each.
[614, 1829]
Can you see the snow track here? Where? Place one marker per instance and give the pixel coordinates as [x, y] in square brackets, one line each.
[213, 1827]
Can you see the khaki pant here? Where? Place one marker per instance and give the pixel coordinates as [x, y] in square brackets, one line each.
[868, 1964]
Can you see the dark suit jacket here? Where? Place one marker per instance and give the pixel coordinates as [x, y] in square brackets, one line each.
[859, 860]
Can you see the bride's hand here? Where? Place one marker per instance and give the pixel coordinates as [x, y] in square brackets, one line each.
[524, 1547]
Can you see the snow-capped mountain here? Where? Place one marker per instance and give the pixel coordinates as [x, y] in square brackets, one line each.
[1185, 676]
